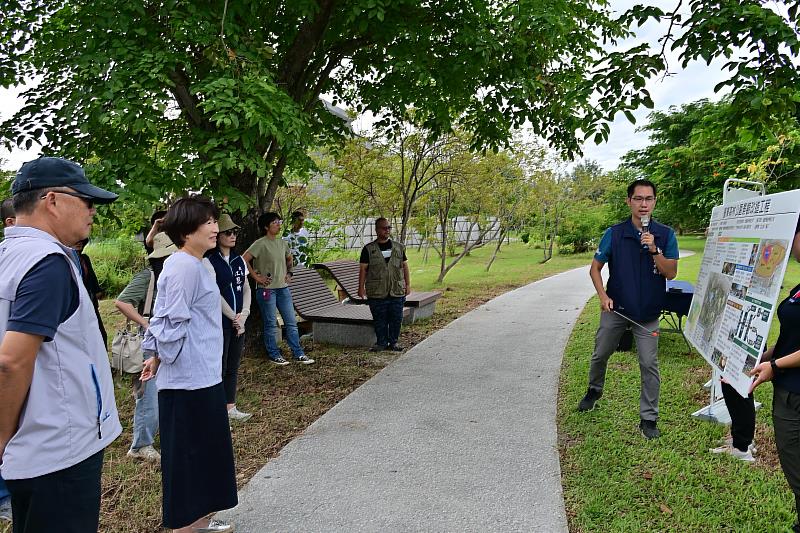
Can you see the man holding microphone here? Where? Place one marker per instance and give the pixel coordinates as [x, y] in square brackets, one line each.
[641, 255]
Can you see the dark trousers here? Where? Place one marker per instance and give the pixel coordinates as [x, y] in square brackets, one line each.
[67, 501]
[387, 315]
[232, 346]
[743, 417]
[786, 419]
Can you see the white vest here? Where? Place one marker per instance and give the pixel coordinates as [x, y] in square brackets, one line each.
[70, 412]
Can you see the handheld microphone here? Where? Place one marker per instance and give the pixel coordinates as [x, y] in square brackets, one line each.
[645, 228]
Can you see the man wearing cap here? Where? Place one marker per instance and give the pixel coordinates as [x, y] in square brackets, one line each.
[57, 406]
[135, 302]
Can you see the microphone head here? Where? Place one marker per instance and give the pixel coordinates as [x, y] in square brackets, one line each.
[646, 221]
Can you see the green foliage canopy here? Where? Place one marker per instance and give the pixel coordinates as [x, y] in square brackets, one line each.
[693, 152]
[224, 96]
[164, 97]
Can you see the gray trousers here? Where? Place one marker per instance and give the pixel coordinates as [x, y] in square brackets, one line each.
[605, 342]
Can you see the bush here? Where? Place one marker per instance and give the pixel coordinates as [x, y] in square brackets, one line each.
[525, 236]
[582, 229]
[115, 262]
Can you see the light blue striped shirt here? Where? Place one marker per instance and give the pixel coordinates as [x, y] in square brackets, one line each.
[186, 327]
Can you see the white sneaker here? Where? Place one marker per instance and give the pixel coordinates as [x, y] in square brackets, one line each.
[215, 526]
[730, 450]
[145, 453]
[235, 414]
[728, 441]
[5, 509]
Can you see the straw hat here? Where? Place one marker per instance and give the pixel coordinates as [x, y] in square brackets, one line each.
[225, 223]
[162, 246]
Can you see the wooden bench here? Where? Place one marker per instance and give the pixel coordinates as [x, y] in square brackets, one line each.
[345, 273]
[332, 322]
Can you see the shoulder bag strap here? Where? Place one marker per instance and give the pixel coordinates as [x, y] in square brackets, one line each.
[148, 301]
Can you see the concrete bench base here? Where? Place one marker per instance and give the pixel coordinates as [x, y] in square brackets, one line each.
[345, 334]
[423, 311]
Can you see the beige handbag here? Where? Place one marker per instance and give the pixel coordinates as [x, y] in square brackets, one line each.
[126, 348]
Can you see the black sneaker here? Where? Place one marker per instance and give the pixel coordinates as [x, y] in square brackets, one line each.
[377, 348]
[395, 348]
[589, 401]
[649, 429]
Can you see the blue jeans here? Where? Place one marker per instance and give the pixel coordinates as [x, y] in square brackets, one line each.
[145, 414]
[387, 315]
[3, 490]
[270, 301]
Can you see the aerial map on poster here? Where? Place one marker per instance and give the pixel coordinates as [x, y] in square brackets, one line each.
[748, 246]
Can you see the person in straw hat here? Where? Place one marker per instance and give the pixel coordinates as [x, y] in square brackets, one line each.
[130, 303]
[230, 272]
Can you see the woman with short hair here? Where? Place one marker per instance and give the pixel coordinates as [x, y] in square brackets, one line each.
[270, 263]
[198, 473]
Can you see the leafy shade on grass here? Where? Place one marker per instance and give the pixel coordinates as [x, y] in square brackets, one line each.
[286, 400]
[615, 480]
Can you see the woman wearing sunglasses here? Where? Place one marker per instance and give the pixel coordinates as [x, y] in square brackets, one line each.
[230, 271]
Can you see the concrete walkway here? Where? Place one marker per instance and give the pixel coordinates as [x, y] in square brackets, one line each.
[458, 434]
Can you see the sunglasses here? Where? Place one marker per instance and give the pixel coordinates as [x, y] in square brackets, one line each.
[230, 232]
[88, 201]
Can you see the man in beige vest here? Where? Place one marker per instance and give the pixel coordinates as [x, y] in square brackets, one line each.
[384, 280]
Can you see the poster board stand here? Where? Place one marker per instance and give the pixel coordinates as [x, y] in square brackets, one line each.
[716, 410]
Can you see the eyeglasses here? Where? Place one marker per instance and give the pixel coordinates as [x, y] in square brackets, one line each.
[87, 200]
[230, 232]
[382, 228]
[643, 199]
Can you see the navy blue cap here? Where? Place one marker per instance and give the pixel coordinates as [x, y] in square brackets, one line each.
[57, 172]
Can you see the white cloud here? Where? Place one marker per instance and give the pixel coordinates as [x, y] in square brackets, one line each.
[10, 103]
[694, 82]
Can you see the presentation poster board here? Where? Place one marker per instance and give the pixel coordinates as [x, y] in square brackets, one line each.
[738, 287]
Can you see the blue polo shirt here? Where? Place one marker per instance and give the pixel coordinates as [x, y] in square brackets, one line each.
[603, 253]
[46, 297]
[634, 283]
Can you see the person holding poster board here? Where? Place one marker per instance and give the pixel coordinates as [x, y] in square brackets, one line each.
[781, 365]
[641, 255]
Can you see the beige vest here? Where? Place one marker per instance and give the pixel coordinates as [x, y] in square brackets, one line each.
[385, 279]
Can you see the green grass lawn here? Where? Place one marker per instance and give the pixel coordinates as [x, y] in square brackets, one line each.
[614, 480]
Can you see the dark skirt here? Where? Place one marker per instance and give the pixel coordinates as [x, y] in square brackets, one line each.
[198, 476]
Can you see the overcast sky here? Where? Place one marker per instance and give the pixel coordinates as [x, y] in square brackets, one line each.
[684, 86]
